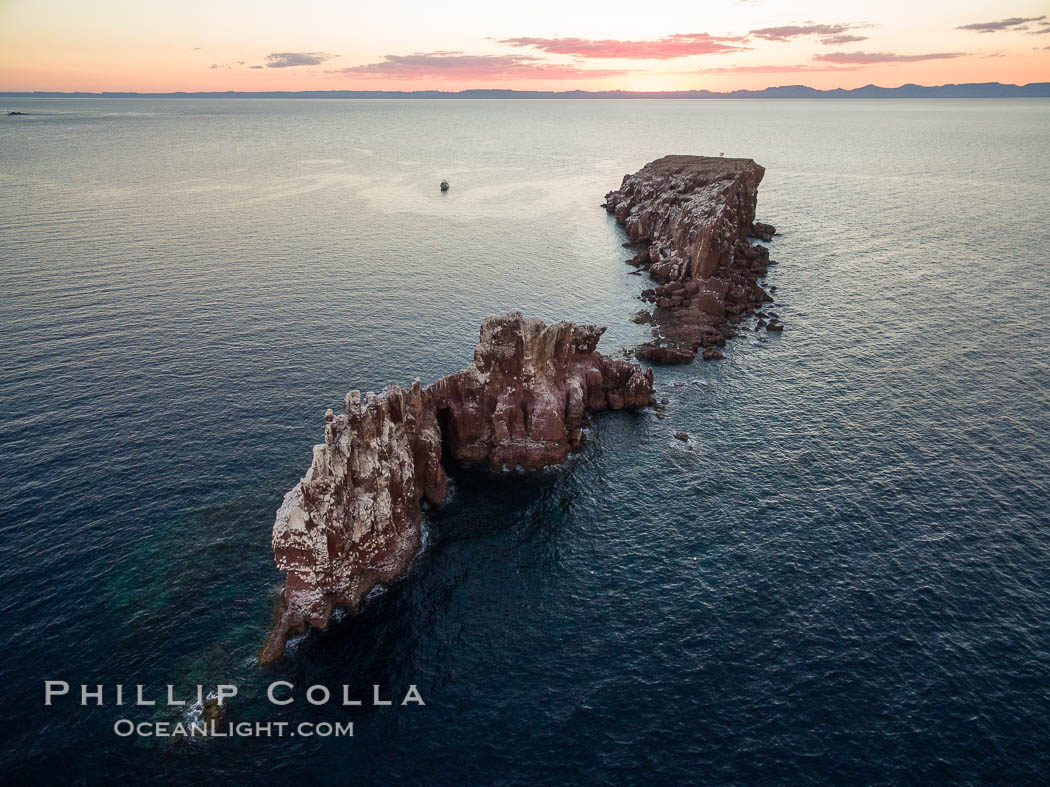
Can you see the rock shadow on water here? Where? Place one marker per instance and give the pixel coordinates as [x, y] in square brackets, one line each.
[490, 519]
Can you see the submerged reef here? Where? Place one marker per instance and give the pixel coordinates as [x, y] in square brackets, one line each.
[691, 218]
[353, 521]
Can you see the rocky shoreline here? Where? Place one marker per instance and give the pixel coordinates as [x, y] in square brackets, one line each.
[691, 219]
[353, 521]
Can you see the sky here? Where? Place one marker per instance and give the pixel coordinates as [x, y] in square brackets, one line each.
[250, 45]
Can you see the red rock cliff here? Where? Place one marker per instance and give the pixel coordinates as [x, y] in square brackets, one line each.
[523, 400]
[353, 521]
[692, 216]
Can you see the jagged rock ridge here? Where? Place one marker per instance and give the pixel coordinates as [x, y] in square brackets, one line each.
[691, 217]
[353, 521]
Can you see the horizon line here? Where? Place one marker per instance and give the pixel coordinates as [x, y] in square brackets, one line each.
[973, 89]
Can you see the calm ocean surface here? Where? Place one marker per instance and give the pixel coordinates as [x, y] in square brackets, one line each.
[844, 577]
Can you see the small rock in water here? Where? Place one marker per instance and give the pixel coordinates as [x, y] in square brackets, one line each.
[683, 436]
[658, 354]
[763, 231]
[212, 713]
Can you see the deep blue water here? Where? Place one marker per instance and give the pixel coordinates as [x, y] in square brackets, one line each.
[844, 577]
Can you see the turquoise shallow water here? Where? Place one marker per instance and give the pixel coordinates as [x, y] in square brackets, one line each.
[845, 576]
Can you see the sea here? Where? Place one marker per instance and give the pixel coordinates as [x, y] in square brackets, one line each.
[842, 575]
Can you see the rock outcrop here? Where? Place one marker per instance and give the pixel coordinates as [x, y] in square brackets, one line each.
[523, 400]
[353, 521]
[691, 217]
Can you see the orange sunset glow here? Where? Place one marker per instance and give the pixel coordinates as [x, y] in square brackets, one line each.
[118, 45]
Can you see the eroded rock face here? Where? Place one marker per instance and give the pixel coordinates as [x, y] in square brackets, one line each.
[523, 400]
[691, 217]
[353, 521]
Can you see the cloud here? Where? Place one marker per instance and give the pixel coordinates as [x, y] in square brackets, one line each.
[254, 66]
[666, 48]
[1045, 28]
[842, 39]
[1002, 24]
[866, 58]
[773, 69]
[291, 59]
[459, 66]
[787, 32]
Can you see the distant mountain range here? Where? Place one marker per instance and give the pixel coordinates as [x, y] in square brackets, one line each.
[970, 90]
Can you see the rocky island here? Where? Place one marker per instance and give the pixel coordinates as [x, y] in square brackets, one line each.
[353, 521]
[691, 218]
